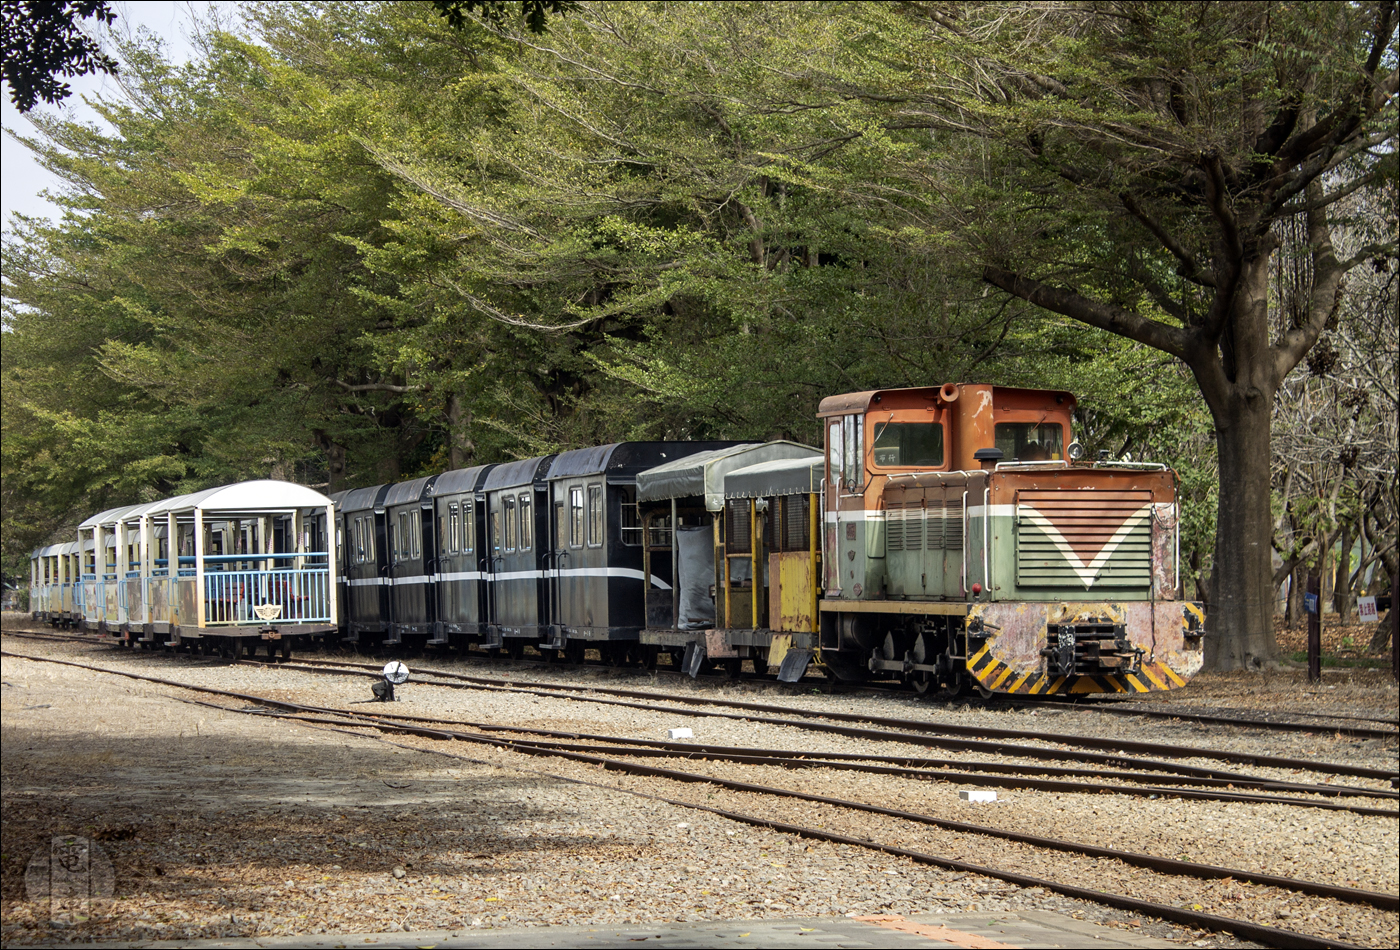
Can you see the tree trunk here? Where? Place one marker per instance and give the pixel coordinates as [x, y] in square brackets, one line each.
[460, 449]
[1341, 578]
[1298, 583]
[1240, 630]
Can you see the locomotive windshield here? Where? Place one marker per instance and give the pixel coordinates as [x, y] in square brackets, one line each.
[1031, 441]
[908, 443]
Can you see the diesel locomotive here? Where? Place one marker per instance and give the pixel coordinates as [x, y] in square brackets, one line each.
[952, 538]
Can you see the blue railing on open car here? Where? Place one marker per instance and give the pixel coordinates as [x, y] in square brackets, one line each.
[231, 597]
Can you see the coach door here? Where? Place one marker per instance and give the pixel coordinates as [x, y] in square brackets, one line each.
[516, 580]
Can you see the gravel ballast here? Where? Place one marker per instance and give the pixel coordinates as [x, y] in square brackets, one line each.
[227, 824]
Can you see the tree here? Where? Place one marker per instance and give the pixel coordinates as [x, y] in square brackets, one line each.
[1128, 165]
[43, 39]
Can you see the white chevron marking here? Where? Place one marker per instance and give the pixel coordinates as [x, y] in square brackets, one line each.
[1088, 573]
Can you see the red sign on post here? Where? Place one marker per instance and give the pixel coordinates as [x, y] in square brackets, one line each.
[1366, 610]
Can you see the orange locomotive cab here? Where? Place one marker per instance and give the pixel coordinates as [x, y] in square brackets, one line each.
[962, 548]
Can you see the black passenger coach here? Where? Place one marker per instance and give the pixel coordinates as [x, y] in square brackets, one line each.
[545, 551]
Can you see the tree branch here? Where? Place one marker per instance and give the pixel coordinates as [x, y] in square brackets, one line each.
[1189, 269]
[377, 387]
[1104, 316]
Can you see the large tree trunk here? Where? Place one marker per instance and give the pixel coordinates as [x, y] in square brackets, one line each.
[1240, 632]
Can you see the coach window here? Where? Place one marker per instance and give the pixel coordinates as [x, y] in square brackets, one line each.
[496, 531]
[630, 527]
[527, 533]
[415, 525]
[510, 525]
[595, 515]
[468, 528]
[576, 517]
[454, 528]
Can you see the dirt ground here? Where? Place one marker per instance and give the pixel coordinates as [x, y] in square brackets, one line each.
[210, 816]
[218, 823]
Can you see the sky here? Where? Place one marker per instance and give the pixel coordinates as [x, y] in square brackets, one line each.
[24, 181]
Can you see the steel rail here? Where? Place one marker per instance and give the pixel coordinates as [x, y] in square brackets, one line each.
[1138, 708]
[1270, 935]
[1111, 707]
[1201, 776]
[921, 767]
[925, 728]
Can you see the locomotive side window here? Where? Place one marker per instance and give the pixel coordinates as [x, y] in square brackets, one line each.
[908, 443]
[853, 435]
[835, 455]
[595, 515]
[1031, 441]
[576, 517]
[630, 526]
[527, 533]
[510, 524]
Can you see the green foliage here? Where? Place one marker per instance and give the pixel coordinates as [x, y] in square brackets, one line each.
[382, 233]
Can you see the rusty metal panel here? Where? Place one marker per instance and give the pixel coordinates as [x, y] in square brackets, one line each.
[795, 594]
[187, 615]
[778, 649]
[1165, 569]
[716, 646]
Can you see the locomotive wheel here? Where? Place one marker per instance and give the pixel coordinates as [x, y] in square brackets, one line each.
[733, 667]
[286, 650]
[922, 681]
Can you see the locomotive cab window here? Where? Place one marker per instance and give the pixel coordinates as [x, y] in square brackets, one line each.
[907, 444]
[1031, 441]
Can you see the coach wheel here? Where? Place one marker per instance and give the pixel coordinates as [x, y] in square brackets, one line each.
[249, 648]
[733, 667]
[226, 648]
[515, 648]
[650, 656]
[677, 655]
[614, 654]
[573, 651]
[286, 650]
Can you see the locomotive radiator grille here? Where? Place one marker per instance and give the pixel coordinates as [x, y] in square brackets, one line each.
[1084, 539]
[931, 526]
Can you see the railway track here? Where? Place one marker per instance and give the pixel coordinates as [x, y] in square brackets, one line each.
[617, 757]
[936, 735]
[1338, 724]
[916, 731]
